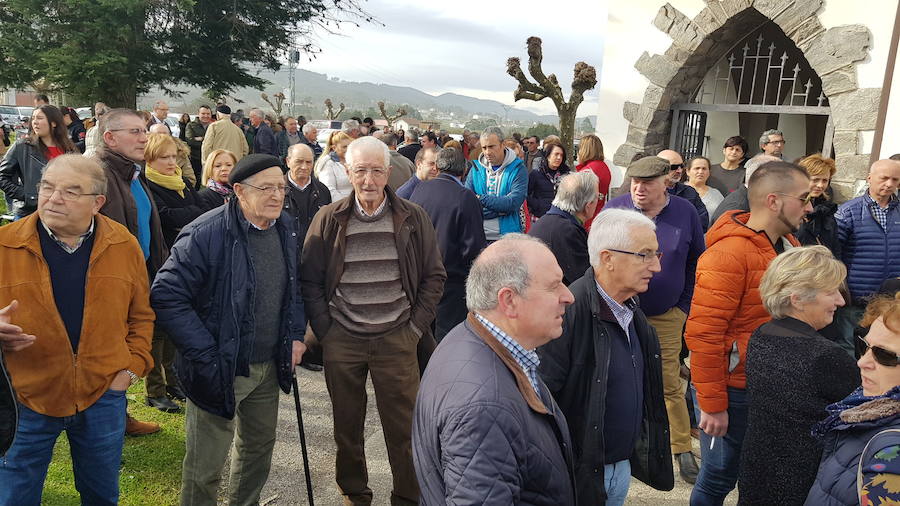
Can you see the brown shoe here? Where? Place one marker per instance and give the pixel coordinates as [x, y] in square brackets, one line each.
[134, 427]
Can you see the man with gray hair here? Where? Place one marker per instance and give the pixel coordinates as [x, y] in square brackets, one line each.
[263, 137]
[311, 139]
[499, 180]
[771, 142]
[411, 145]
[456, 216]
[605, 369]
[351, 128]
[160, 114]
[486, 429]
[371, 274]
[562, 227]
[739, 199]
[401, 168]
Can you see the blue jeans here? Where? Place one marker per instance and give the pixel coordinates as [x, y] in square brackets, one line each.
[617, 478]
[96, 436]
[719, 467]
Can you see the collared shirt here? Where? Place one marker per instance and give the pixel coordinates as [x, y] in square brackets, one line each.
[638, 209]
[69, 249]
[297, 186]
[527, 360]
[880, 213]
[362, 211]
[624, 314]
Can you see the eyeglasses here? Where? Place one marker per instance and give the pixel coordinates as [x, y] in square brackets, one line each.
[776, 142]
[645, 256]
[805, 198]
[676, 166]
[361, 172]
[884, 357]
[268, 190]
[46, 190]
[132, 131]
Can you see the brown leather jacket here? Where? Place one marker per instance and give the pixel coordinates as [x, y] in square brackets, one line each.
[118, 322]
[120, 205]
[322, 263]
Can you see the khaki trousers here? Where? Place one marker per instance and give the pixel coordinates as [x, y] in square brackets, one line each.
[163, 374]
[669, 327]
[393, 364]
[209, 438]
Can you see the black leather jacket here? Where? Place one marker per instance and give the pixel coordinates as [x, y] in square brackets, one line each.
[20, 173]
[9, 415]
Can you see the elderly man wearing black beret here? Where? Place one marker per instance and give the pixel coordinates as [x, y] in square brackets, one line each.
[229, 298]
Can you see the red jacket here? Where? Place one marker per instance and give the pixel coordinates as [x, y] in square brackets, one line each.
[599, 168]
[726, 307]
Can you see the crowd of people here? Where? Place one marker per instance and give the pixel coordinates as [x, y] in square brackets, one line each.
[533, 335]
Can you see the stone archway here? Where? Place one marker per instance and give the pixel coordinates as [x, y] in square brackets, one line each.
[699, 42]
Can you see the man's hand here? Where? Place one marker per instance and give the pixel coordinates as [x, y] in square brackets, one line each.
[11, 336]
[121, 382]
[714, 424]
[297, 351]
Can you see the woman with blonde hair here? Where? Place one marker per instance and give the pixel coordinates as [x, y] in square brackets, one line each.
[590, 157]
[820, 227]
[216, 188]
[793, 373]
[333, 171]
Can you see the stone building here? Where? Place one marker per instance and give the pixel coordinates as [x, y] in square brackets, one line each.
[690, 73]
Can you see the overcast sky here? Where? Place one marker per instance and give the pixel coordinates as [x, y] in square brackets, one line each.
[462, 47]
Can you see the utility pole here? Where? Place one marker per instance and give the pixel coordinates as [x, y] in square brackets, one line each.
[293, 60]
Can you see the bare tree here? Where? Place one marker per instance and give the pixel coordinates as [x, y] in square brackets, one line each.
[548, 87]
[391, 118]
[279, 102]
[330, 110]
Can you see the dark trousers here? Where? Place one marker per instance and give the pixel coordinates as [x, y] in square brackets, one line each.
[197, 165]
[393, 364]
[163, 374]
[451, 310]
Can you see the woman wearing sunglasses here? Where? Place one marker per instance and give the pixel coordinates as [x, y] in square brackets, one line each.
[793, 373]
[861, 435]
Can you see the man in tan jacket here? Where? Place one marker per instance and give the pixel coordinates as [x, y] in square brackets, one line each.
[223, 134]
[74, 337]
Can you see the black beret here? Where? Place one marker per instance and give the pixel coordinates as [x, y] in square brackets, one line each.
[251, 164]
[224, 109]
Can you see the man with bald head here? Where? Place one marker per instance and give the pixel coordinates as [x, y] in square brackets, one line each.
[677, 188]
[739, 199]
[726, 309]
[486, 428]
[869, 231]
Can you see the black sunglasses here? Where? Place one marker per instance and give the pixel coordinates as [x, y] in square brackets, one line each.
[675, 166]
[884, 357]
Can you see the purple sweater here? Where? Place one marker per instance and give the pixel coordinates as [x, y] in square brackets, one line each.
[680, 238]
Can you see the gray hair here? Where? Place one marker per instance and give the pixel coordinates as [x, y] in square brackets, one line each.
[492, 130]
[451, 161]
[160, 103]
[612, 228]
[367, 144]
[756, 162]
[113, 119]
[348, 125]
[82, 165]
[307, 128]
[256, 112]
[504, 269]
[389, 139]
[576, 191]
[803, 272]
[299, 145]
[764, 138]
[412, 135]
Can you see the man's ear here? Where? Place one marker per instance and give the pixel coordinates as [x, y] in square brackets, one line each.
[507, 303]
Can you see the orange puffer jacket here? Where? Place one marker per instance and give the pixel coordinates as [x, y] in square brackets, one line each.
[726, 307]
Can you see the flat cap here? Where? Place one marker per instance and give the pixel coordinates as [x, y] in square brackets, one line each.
[224, 109]
[648, 167]
[252, 164]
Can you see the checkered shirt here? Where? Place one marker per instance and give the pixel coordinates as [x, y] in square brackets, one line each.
[878, 212]
[624, 315]
[527, 360]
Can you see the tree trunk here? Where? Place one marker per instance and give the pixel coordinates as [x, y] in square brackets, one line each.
[567, 134]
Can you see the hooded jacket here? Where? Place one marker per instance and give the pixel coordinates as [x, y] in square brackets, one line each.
[505, 204]
[726, 307]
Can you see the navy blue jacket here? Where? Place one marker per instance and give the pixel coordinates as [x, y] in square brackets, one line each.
[869, 251]
[482, 435]
[686, 192]
[455, 213]
[567, 239]
[203, 298]
[264, 141]
[541, 192]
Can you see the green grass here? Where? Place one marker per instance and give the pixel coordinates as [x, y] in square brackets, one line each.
[151, 465]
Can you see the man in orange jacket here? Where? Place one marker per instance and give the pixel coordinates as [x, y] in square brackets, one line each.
[726, 309]
[75, 333]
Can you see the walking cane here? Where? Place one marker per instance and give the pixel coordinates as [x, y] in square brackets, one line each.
[302, 440]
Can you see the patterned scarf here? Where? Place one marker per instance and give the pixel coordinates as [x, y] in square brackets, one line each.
[222, 189]
[857, 398]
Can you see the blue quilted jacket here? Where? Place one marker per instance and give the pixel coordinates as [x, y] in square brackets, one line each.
[871, 253]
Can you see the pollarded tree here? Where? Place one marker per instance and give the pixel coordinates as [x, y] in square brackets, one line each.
[548, 87]
[329, 110]
[115, 50]
[390, 118]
